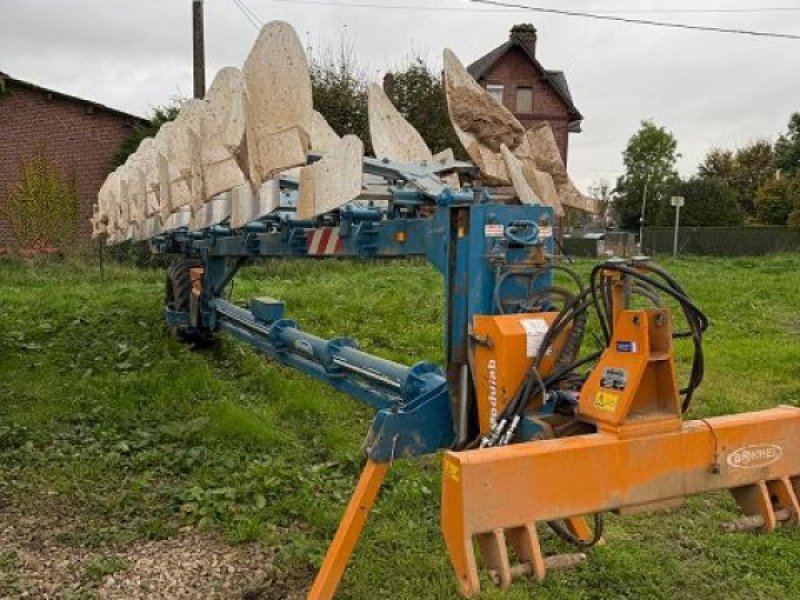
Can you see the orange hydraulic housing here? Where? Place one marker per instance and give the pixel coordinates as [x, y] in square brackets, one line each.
[504, 348]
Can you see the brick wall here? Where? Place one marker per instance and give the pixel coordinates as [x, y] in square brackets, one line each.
[76, 136]
[513, 70]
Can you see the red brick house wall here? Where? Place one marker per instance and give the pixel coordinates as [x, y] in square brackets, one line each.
[514, 69]
[78, 136]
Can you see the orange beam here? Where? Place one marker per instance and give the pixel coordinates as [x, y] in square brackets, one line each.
[346, 538]
[509, 487]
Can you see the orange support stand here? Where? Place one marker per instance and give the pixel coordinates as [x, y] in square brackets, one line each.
[355, 516]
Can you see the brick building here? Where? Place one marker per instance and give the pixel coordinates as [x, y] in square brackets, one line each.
[78, 136]
[512, 74]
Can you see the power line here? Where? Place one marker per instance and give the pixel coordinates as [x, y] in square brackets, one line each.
[515, 9]
[398, 7]
[616, 18]
[252, 13]
[249, 14]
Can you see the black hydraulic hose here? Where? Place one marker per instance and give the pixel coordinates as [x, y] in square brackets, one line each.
[675, 292]
[647, 292]
[520, 400]
[533, 275]
[532, 302]
[558, 375]
[574, 307]
[565, 534]
[575, 277]
[695, 318]
[601, 315]
[575, 312]
[571, 347]
[698, 323]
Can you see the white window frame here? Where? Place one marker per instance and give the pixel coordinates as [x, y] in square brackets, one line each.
[496, 90]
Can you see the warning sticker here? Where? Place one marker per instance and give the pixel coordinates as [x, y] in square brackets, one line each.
[606, 401]
[535, 330]
[494, 230]
[452, 471]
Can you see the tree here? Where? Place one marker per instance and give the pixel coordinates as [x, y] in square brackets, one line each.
[418, 94]
[339, 88]
[649, 159]
[42, 209]
[744, 171]
[708, 202]
[601, 191]
[140, 131]
[776, 199]
[718, 164]
[787, 148]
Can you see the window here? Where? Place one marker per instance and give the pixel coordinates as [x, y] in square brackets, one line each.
[524, 100]
[496, 92]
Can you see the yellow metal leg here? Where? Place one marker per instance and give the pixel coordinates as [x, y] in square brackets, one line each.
[578, 527]
[355, 516]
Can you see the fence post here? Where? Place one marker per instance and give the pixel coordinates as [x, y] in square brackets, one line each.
[677, 202]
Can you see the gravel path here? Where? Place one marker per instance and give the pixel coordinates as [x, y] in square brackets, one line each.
[35, 563]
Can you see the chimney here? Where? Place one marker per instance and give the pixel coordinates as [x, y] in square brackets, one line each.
[525, 34]
[388, 84]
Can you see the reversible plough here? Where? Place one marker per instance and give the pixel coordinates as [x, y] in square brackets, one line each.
[535, 428]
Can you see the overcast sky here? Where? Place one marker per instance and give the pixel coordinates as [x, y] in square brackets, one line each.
[709, 89]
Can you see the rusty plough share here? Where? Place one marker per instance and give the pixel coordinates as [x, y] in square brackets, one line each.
[535, 430]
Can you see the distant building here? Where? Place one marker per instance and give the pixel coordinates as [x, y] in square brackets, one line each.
[512, 74]
[78, 136]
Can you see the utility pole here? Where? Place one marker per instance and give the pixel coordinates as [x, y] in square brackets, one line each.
[198, 47]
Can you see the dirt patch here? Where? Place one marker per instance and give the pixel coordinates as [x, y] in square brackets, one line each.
[35, 562]
[793, 325]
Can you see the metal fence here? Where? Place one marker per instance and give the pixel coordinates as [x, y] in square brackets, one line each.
[722, 241]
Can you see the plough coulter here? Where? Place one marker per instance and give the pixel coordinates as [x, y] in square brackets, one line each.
[536, 428]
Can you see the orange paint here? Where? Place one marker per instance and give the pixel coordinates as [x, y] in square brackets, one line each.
[503, 357]
[641, 457]
[512, 486]
[343, 544]
[635, 377]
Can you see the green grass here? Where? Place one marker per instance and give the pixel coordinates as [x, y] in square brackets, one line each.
[102, 412]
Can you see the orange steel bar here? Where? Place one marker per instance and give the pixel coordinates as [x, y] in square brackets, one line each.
[515, 486]
[355, 516]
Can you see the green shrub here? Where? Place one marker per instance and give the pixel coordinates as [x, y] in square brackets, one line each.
[776, 199]
[42, 209]
[136, 254]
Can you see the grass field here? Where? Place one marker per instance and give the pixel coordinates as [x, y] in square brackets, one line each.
[104, 417]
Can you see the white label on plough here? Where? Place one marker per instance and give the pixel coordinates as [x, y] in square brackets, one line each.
[494, 230]
[758, 455]
[535, 330]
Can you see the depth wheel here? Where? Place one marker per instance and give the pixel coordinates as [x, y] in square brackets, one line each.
[178, 297]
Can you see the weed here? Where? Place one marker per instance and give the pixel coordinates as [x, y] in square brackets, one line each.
[100, 568]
